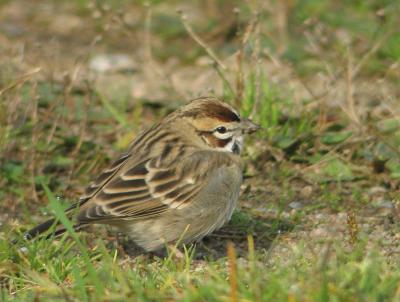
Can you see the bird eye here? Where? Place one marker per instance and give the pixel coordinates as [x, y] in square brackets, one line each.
[221, 129]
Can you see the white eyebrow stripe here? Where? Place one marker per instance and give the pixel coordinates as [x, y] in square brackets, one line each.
[225, 135]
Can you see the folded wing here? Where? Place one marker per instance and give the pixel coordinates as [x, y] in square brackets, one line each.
[144, 189]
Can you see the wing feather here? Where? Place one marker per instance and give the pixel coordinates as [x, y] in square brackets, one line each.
[147, 189]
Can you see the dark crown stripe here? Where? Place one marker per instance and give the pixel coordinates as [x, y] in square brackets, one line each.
[213, 110]
[222, 113]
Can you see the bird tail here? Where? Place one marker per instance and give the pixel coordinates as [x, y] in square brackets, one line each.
[60, 229]
[47, 225]
[40, 229]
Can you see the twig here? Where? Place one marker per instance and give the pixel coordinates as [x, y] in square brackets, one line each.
[224, 79]
[53, 128]
[350, 90]
[370, 52]
[199, 41]
[375, 132]
[83, 124]
[239, 62]
[219, 66]
[147, 32]
[282, 11]
[334, 78]
[22, 79]
[239, 59]
[327, 157]
[32, 157]
[239, 78]
[82, 132]
[150, 66]
[328, 67]
[256, 61]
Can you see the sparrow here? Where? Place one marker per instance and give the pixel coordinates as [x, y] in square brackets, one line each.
[178, 182]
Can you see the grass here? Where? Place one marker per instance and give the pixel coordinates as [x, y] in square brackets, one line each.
[319, 211]
[60, 271]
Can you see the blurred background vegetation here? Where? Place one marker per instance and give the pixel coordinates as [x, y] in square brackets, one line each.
[79, 79]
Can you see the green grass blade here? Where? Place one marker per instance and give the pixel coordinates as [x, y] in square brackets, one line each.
[60, 214]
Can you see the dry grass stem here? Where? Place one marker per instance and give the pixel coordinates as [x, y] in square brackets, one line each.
[218, 65]
[232, 271]
[352, 227]
[350, 109]
[369, 53]
[199, 41]
[34, 139]
[22, 79]
[83, 124]
[257, 65]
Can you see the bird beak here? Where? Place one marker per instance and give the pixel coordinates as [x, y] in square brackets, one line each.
[249, 127]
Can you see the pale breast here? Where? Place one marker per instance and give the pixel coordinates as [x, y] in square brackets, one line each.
[208, 211]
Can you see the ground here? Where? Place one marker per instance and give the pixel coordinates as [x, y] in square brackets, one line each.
[319, 210]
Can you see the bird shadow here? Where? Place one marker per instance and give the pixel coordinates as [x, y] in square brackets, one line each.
[263, 231]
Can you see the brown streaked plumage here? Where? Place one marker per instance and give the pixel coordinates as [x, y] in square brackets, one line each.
[215, 111]
[180, 179]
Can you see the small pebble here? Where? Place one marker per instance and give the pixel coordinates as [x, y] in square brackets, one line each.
[376, 190]
[112, 63]
[385, 204]
[23, 250]
[296, 205]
